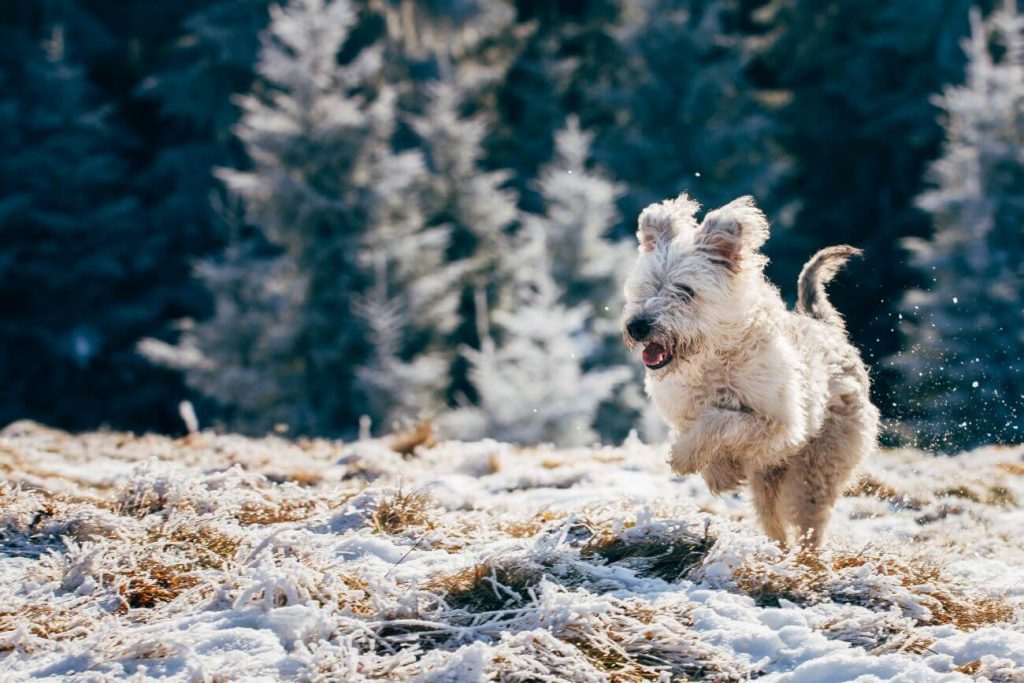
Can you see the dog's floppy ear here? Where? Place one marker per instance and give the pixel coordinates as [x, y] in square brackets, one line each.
[733, 232]
[660, 223]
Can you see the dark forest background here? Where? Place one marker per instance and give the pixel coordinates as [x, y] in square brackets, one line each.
[295, 218]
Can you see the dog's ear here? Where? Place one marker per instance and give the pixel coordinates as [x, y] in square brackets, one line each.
[733, 232]
[660, 223]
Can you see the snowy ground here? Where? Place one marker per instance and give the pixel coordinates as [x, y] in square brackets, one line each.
[217, 558]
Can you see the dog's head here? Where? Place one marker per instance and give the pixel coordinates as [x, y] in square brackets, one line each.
[691, 283]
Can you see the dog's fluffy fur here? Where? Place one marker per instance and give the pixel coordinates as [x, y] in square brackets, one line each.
[753, 392]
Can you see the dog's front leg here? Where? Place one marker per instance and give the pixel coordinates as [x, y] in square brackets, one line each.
[688, 451]
[691, 454]
[755, 436]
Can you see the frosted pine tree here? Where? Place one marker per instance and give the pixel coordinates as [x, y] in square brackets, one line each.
[365, 282]
[681, 111]
[194, 87]
[476, 209]
[530, 381]
[243, 357]
[579, 215]
[411, 308]
[964, 358]
[436, 35]
[588, 264]
[448, 56]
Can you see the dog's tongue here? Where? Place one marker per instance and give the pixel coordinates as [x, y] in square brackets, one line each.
[654, 354]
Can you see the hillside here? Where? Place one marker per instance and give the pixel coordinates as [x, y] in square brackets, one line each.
[220, 558]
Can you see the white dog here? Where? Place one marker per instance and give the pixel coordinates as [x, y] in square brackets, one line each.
[753, 392]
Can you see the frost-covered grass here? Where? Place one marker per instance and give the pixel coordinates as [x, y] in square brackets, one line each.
[217, 558]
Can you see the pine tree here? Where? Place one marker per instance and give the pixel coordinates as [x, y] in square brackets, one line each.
[850, 87]
[449, 57]
[383, 249]
[564, 55]
[324, 176]
[964, 359]
[531, 385]
[210, 60]
[410, 310]
[243, 357]
[674, 109]
[580, 213]
[475, 207]
[81, 276]
[588, 264]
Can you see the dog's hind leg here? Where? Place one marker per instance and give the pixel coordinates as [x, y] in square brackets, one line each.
[765, 485]
[816, 476]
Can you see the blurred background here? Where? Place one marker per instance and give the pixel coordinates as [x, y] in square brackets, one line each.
[328, 216]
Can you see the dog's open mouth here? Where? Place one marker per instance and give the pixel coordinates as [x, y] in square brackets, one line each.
[656, 356]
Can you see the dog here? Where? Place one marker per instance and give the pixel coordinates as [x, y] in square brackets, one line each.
[752, 391]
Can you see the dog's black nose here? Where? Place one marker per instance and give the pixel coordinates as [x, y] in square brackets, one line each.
[638, 328]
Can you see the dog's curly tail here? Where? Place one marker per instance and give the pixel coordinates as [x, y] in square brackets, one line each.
[811, 298]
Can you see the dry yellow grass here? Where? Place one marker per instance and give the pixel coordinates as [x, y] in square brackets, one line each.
[276, 512]
[807, 580]
[59, 623]
[866, 485]
[401, 511]
[406, 442]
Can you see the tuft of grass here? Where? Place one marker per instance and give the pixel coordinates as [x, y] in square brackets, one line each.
[208, 546]
[900, 642]
[401, 511]
[807, 581]
[276, 512]
[156, 583]
[298, 477]
[1011, 467]
[883, 635]
[1001, 496]
[871, 487]
[667, 556]
[769, 586]
[939, 513]
[632, 642]
[487, 587]
[406, 442]
[140, 501]
[970, 668]
[44, 620]
[527, 528]
[959, 492]
[612, 661]
[624, 666]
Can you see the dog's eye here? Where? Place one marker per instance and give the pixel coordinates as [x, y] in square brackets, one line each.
[683, 291]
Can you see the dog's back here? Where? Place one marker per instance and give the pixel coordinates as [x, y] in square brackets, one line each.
[834, 374]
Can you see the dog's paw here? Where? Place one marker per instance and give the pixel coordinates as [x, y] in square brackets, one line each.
[682, 456]
[723, 475]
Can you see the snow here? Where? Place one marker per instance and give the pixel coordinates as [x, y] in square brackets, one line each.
[216, 557]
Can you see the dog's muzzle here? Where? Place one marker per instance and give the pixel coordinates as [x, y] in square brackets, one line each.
[639, 329]
[656, 354]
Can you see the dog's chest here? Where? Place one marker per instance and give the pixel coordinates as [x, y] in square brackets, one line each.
[681, 396]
